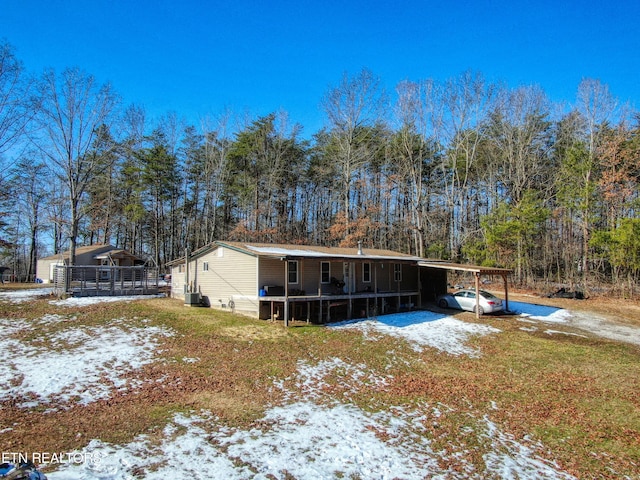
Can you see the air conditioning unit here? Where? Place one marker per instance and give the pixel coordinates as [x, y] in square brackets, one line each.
[192, 299]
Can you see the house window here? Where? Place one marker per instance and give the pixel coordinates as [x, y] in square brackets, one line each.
[293, 271]
[220, 252]
[325, 272]
[397, 272]
[205, 266]
[181, 268]
[366, 272]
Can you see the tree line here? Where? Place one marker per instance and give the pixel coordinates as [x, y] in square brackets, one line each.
[463, 169]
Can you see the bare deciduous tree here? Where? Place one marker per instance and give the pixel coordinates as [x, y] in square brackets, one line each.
[17, 104]
[74, 108]
[419, 113]
[353, 109]
[467, 100]
[597, 106]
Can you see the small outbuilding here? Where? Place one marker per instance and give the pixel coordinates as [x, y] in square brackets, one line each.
[98, 270]
[90, 255]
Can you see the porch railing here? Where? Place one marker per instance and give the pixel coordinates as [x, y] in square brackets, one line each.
[91, 280]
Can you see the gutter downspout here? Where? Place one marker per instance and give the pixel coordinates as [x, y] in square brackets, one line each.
[187, 288]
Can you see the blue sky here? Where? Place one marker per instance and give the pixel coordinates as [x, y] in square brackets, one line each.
[197, 58]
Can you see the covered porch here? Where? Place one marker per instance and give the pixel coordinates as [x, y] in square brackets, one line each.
[366, 287]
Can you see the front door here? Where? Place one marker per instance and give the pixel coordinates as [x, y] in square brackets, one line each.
[349, 277]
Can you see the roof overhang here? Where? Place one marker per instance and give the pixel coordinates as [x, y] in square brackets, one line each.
[477, 269]
[116, 254]
[300, 252]
[292, 254]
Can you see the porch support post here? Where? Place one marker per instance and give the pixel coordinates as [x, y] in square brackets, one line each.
[320, 299]
[419, 299]
[506, 292]
[399, 297]
[375, 288]
[286, 292]
[349, 283]
[477, 281]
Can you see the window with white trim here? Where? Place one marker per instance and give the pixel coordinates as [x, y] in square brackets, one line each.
[397, 272]
[366, 272]
[293, 271]
[205, 266]
[325, 272]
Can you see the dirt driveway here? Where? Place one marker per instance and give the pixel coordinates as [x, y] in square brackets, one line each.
[615, 319]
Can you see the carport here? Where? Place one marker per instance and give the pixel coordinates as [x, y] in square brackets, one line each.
[477, 272]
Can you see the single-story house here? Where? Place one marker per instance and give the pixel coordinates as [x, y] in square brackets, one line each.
[300, 282]
[91, 255]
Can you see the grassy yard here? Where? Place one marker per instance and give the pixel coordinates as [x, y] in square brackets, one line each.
[574, 397]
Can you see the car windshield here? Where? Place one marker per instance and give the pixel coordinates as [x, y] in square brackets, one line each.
[487, 294]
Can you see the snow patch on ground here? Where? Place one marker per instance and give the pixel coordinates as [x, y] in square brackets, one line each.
[19, 296]
[75, 363]
[603, 328]
[314, 435]
[84, 301]
[512, 459]
[542, 313]
[424, 328]
[310, 440]
[557, 332]
[312, 382]
[588, 322]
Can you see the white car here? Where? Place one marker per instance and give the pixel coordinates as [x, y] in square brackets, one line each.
[466, 300]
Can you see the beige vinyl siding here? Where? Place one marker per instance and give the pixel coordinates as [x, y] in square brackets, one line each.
[230, 280]
[272, 272]
[360, 285]
[177, 282]
[310, 275]
[43, 269]
[383, 272]
[335, 271]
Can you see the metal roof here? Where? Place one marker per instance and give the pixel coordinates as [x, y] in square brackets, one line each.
[308, 251]
[117, 253]
[282, 251]
[79, 251]
[466, 268]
